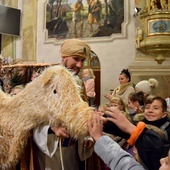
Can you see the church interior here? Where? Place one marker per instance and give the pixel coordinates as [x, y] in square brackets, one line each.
[121, 48]
[136, 37]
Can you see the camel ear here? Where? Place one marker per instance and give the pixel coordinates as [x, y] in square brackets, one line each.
[46, 76]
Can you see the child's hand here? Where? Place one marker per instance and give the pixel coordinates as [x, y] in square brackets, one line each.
[96, 127]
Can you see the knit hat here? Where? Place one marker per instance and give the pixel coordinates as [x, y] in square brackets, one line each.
[146, 85]
[75, 47]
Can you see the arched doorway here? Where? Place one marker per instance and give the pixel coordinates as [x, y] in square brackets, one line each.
[93, 62]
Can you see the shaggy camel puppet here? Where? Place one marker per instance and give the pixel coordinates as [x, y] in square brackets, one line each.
[52, 98]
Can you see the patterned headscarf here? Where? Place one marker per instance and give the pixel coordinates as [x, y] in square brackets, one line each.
[75, 47]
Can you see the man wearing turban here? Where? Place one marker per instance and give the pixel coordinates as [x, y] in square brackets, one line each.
[53, 155]
[73, 54]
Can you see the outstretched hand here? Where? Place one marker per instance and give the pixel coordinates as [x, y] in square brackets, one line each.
[108, 96]
[118, 118]
[96, 127]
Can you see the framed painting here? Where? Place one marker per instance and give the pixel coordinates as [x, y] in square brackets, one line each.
[67, 19]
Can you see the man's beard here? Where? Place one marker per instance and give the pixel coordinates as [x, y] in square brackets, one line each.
[74, 71]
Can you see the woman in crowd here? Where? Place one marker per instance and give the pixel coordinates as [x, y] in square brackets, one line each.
[125, 87]
[89, 82]
[146, 86]
[156, 114]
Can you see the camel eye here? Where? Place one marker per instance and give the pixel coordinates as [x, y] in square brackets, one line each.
[55, 93]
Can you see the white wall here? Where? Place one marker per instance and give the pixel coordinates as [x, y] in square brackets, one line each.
[115, 53]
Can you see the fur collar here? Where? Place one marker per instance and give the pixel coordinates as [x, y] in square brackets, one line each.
[122, 88]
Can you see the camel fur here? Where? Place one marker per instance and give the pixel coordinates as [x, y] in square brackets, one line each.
[52, 98]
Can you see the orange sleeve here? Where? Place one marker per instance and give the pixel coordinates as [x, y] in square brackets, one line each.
[136, 133]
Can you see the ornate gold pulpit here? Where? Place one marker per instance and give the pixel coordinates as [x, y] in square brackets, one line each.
[152, 58]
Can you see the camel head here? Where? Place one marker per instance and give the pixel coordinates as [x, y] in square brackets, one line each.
[51, 98]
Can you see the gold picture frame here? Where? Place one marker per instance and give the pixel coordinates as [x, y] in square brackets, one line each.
[57, 28]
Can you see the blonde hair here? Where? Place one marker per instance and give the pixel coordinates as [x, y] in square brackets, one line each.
[90, 72]
[122, 106]
[120, 102]
[102, 107]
